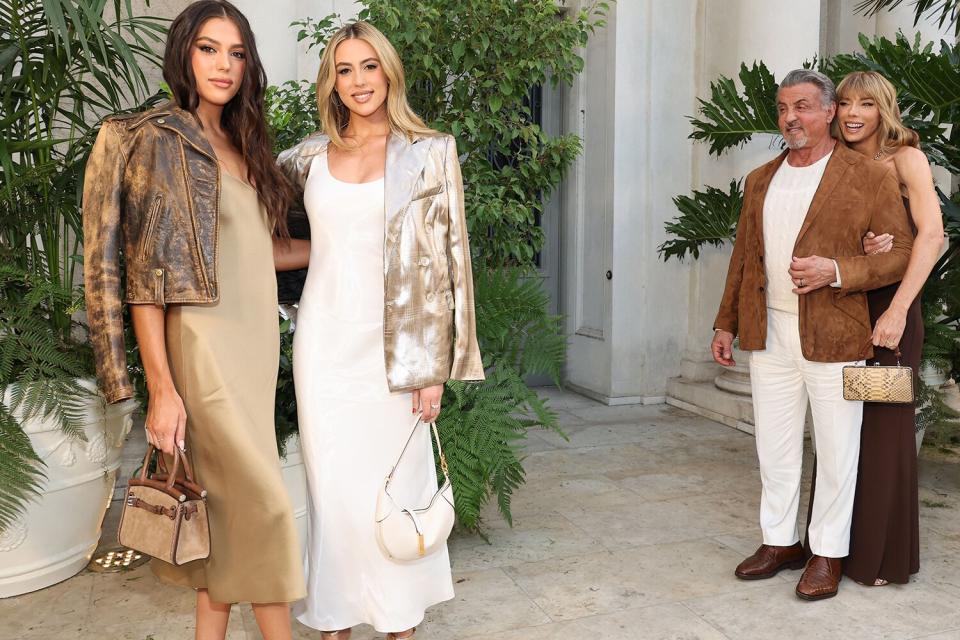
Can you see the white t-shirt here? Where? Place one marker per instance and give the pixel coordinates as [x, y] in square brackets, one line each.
[784, 209]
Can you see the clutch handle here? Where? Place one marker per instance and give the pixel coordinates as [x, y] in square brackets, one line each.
[869, 343]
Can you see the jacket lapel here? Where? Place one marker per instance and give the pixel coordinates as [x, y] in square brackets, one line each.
[186, 125]
[405, 163]
[833, 174]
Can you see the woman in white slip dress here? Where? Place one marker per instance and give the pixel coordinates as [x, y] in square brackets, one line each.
[386, 317]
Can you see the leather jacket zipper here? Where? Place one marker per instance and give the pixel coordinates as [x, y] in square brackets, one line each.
[193, 220]
[150, 227]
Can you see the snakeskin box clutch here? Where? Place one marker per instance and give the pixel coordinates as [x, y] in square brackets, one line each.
[878, 383]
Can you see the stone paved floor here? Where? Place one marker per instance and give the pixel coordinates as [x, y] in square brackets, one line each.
[629, 531]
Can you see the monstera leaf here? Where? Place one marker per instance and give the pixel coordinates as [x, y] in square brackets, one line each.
[942, 11]
[708, 217]
[731, 116]
[927, 82]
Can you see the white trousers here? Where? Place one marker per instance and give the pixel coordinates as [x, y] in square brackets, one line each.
[783, 381]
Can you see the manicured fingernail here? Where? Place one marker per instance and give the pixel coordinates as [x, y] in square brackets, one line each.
[183, 445]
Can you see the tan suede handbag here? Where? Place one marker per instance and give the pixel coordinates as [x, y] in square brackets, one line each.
[165, 516]
[879, 383]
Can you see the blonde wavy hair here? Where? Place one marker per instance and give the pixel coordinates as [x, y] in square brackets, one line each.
[870, 84]
[334, 115]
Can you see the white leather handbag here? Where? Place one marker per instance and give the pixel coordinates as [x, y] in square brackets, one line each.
[410, 532]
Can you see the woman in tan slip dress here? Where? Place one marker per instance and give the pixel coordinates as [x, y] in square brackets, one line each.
[884, 534]
[206, 219]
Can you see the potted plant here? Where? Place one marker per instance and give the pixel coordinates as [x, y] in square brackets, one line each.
[63, 66]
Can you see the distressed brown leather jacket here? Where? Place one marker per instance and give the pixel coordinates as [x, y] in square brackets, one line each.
[152, 193]
[429, 325]
[856, 195]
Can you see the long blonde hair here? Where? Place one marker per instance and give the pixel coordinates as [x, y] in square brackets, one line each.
[334, 115]
[870, 84]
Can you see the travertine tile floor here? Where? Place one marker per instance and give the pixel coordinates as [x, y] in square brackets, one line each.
[629, 530]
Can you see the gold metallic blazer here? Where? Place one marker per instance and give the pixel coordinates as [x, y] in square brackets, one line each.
[429, 324]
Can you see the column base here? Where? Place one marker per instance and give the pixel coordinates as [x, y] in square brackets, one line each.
[705, 399]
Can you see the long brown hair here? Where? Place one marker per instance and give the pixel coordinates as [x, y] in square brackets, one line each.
[892, 133]
[334, 115]
[243, 117]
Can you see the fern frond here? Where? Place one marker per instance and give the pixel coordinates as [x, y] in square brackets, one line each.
[39, 372]
[514, 327]
[21, 471]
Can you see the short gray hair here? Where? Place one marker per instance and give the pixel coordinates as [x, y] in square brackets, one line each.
[828, 91]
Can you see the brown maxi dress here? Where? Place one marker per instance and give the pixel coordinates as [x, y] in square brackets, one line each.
[885, 530]
[224, 358]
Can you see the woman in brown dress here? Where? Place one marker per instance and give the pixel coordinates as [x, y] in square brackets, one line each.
[191, 192]
[884, 537]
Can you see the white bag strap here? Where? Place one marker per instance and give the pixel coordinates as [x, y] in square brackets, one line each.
[436, 436]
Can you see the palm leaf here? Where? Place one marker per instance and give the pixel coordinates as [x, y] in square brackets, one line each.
[948, 10]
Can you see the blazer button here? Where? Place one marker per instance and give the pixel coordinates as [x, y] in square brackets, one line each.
[424, 261]
[160, 121]
[430, 297]
[760, 289]
[158, 272]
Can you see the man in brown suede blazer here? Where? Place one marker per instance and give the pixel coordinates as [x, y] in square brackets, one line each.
[795, 295]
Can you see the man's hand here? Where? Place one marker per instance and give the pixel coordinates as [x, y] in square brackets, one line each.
[812, 273]
[722, 348]
[873, 243]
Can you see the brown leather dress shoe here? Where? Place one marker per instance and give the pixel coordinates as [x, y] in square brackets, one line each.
[821, 578]
[769, 560]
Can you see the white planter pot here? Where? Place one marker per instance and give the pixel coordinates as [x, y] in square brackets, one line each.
[55, 537]
[295, 480]
[932, 376]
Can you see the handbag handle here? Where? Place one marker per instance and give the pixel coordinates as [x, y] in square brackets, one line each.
[178, 459]
[436, 435]
[869, 343]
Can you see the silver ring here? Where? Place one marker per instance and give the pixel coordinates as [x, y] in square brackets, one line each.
[434, 406]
